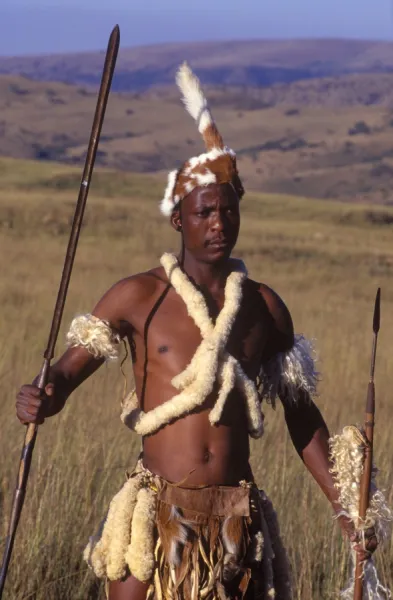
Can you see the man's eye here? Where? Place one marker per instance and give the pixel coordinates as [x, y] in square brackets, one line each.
[203, 213]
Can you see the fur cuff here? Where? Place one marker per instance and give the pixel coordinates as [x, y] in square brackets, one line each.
[95, 335]
[291, 372]
[347, 453]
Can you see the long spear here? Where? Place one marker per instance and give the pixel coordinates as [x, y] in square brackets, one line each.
[31, 433]
[368, 452]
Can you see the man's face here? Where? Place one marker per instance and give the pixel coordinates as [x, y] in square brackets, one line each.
[209, 220]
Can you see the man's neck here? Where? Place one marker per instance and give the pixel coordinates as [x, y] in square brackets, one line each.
[208, 276]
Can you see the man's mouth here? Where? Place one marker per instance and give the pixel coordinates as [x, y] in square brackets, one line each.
[219, 243]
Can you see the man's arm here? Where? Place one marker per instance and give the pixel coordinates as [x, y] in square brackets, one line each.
[310, 437]
[76, 364]
[306, 425]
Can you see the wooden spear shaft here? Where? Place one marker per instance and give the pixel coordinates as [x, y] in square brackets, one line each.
[31, 433]
[368, 452]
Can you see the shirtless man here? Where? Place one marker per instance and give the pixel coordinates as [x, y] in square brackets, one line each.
[198, 538]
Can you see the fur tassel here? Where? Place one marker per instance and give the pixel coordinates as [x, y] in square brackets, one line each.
[253, 403]
[232, 537]
[275, 560]
[227, 380]
[372, 587]
[257, 547]
[129, 405]
[140, 553]
[196, 104]
[179, 534]
[105, 553]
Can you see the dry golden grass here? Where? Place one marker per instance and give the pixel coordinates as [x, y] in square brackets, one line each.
[325, 259]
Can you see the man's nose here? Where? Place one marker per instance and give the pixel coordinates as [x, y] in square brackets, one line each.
[217, 222]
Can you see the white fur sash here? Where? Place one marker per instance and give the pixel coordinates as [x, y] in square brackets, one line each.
[211, 362]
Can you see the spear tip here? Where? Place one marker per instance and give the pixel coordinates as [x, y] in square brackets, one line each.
[115, 36]
[377, 312]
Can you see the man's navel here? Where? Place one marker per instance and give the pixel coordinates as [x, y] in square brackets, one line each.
[207, 456]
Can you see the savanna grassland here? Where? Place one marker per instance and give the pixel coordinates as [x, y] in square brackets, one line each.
[326, 260]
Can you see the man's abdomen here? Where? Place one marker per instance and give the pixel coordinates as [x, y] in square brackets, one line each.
[193, 451]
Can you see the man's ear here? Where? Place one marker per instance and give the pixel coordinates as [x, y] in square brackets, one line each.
[176, 220]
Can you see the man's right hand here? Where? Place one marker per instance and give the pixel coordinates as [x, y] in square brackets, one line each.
[32, 403]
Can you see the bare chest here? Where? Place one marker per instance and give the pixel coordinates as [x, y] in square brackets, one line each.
[168, 337]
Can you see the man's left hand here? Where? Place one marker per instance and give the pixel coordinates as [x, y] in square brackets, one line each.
[364, 549]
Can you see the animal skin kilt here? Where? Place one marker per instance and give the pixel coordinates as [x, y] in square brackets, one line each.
[213, 542]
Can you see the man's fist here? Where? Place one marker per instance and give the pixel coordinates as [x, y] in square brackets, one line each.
[363, 549]
[366, 548]
[32, 402]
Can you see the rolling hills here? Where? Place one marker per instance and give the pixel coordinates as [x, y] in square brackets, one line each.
[322, 138]
[252, 62]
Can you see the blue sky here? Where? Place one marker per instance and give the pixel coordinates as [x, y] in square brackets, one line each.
[47, 26]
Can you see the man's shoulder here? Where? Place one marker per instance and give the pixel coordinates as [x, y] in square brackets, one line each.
[141, 285]
[129, 294]
[278, 310]
[271, 298]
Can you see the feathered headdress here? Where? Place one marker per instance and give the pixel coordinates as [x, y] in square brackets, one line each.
[216, 165]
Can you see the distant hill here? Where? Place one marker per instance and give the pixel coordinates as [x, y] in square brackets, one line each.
[322, 138]
[244, 63]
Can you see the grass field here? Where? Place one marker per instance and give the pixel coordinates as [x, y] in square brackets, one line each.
[325, 259]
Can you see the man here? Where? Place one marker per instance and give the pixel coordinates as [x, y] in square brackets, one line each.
[207, 345]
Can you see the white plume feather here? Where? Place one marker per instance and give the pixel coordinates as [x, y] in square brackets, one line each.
[193, 97]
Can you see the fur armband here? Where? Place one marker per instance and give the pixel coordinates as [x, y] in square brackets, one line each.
[95, 335]
[347, 454]
[290, 372]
